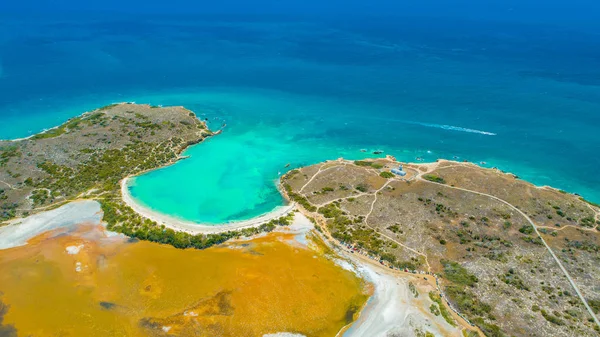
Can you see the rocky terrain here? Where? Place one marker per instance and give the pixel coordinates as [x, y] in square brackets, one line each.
[489, 236]
[87, 156]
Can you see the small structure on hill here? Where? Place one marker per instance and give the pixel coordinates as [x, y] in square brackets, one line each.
[399, 171]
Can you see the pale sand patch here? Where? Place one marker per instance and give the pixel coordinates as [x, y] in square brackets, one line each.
[386, 310]
[18, 231]
[393, 310]
[74, 250]
[197, 228]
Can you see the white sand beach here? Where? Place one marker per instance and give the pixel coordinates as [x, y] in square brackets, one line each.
[197, 228]
[393, 310]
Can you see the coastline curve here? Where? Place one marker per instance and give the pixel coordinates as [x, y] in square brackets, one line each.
[198, 228]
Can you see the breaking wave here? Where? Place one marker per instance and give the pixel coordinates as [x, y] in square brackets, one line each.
[437, 126]
[452, 128]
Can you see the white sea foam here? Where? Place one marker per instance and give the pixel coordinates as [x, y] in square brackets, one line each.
[452, 128]
[437, 126]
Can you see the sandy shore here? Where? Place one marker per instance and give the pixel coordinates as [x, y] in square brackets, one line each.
[19, 231]
[197, 228]
[393, 310]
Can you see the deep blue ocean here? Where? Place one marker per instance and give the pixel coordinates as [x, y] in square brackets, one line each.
[296, 87]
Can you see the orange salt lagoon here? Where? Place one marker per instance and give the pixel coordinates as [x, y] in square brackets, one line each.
[81, 282]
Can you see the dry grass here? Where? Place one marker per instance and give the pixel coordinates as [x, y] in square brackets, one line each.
[520, 289]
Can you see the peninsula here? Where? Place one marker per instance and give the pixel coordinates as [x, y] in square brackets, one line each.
[86, 157]
[510, 258]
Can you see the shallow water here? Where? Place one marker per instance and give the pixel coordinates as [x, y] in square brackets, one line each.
[111, 287]
[523, 98]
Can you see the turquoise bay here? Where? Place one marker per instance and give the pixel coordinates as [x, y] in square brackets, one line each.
[233, 176]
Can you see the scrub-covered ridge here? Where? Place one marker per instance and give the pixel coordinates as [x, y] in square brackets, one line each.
[494, 240]
[87, 156]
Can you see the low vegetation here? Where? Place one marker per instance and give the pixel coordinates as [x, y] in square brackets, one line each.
[441, 309]
[372, 164]
[434, 178]
[491, 264]
[122, 219]
[457, 274]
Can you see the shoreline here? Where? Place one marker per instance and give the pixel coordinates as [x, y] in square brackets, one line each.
[59, 125]
[392, 308]
[18, 231]
[193, 228]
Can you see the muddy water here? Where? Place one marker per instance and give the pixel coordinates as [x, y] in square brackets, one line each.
[83, 283]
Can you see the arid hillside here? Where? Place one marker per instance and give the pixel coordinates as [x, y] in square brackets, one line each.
[495, 241]
[89, 154]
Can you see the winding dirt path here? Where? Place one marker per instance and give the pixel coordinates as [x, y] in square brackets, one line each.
[535, 228]
[558, 229]
[386, 236]
[431, 168]
[393, 272]
[9, 185]
[374, 194]
[321, 169]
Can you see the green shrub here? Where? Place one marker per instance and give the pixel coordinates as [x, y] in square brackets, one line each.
[413, 289]
[121, 218]
[362, 163]
[330, 211]
[527, 229]
[588, 221]
[490, 330]
[594, 304]
[456, 273]
[362, 187]
[551, 318]
[466, 302]
[434, 178]
[434, 309]
[441, 308]
[535, 241]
